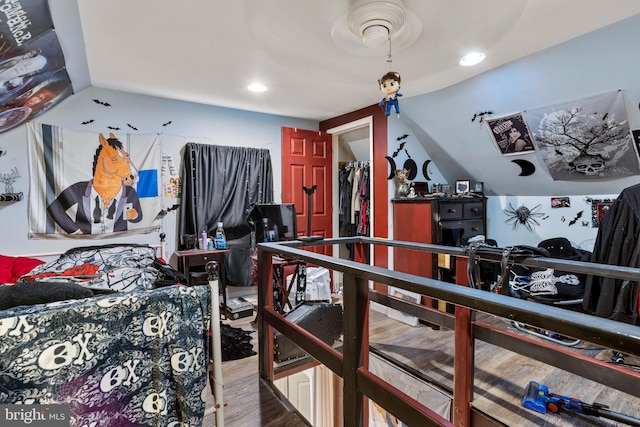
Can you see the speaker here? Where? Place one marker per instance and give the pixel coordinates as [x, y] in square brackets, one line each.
[324, 320]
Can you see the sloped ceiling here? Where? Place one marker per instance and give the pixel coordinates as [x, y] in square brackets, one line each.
[208, 51]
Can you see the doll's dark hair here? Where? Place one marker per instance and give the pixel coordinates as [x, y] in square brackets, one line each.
[391, 75]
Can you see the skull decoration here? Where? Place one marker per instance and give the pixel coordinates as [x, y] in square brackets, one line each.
[589, 164]
[181, 361]
[6, 325]
[57, 355]
[156, 325]
[155, 403]
[113, 378]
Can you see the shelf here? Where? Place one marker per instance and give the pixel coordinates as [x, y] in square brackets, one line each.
[10, 197]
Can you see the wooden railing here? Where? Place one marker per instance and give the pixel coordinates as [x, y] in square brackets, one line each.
[350, 364]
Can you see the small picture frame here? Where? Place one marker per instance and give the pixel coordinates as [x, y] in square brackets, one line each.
[560, 202]
[598, 209]
[463, 187]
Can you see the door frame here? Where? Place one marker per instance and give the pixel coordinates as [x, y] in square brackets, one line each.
[335, 190]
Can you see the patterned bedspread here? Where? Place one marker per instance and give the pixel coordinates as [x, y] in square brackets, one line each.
[124, 359]
[120, 268]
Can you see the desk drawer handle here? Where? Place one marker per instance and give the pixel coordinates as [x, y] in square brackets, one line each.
[452, 210]
[205, 257]
[475, 210]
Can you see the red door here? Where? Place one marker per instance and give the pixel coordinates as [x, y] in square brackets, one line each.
[307, 161]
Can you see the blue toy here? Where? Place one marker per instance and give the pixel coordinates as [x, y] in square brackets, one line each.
[390, 85]
[538, 398]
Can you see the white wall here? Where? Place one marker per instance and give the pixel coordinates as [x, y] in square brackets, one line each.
[556, 222]
[189, 123]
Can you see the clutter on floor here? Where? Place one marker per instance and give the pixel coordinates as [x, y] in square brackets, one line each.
[236, 343]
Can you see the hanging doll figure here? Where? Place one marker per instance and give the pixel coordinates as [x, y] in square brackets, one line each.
[390, 85]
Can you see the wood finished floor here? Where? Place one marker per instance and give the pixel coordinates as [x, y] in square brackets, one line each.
[501, 376]
[250, 402]
[500, 379]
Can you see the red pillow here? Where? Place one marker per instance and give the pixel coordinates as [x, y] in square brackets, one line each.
[5, 269]
[11, 268]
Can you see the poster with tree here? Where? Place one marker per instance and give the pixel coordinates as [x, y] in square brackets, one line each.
[589, 139]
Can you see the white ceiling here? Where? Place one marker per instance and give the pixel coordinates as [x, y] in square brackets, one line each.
[208, 51]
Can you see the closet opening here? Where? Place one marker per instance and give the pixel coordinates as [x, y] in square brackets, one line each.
[352, 191]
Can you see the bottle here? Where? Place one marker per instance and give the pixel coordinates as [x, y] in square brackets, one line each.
[265, 228]
[220, 240]
[203, 240]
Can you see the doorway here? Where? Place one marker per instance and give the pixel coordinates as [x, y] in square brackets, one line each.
[353, 150]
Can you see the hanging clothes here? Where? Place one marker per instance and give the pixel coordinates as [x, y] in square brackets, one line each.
[345, 191]
[363, 193]
[355, 195]
[617, 244]
[354, 204]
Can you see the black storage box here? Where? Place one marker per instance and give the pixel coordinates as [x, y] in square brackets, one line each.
[237, 308]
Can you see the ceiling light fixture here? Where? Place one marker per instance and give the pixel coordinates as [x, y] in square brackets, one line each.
[368, 25]
[376, 34]
[376, 21]
[257, 87]
[472, 58]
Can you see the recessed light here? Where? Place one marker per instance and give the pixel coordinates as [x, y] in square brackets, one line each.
[472, 58]
[257, 87]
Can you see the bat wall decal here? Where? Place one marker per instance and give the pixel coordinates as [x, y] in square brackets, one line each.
[134, 128]
[87, 122]
[395, 153]
[106, 104]
[167, 123]
[480, 115]
[113, 128]
[575, 220]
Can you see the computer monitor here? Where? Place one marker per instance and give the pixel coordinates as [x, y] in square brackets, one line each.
[283, 216]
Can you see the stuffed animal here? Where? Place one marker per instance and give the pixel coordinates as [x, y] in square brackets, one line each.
[390, 85]
[404, 186]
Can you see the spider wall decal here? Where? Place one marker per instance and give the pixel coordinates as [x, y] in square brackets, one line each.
[523, 215]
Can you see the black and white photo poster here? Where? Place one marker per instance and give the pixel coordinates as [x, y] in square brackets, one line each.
[584, 140]
[511, 134]
[33, 76]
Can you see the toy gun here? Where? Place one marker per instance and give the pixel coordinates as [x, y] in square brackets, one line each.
[538, 398]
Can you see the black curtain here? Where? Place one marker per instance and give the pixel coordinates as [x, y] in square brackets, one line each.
[222, 184]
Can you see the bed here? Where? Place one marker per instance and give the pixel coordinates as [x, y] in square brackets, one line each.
[133, 352]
